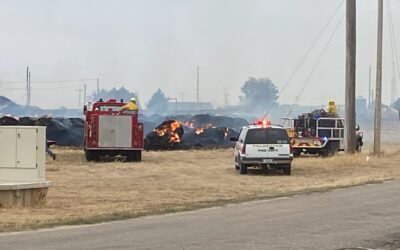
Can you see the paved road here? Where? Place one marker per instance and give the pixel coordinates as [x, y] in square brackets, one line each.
[367, 216]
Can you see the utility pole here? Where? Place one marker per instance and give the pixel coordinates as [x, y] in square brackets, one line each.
[98, 86]
[378, 88]
[198, 85]
[84, 94]
[350, 91]
[28, 87]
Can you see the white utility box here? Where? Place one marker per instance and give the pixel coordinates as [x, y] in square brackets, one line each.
[22, 153]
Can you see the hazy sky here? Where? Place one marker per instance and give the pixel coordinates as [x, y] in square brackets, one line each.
[145, 45]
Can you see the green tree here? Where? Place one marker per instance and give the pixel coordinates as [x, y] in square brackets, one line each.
[259, 93]
[158, 102]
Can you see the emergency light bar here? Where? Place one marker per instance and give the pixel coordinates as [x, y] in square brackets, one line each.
[263, 122]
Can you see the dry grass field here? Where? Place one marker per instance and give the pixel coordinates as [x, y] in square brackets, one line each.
[181, 180]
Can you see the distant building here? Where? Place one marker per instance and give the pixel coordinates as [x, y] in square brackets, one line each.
[189, 107]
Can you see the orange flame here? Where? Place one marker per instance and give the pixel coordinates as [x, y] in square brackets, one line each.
[188, 124]
[199, 131]
[161, 132]
[174, 136]
[174, 126]
[169, 130]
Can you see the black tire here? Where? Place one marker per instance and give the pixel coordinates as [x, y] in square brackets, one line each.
[335, 145]
[138, 156]
[130, 156]
[331, 149]
[242, 167]
[286, 169]
[236, 164]
[358, 146]
[359, 143]
[296, 153]
[96, 155]
[89, 155]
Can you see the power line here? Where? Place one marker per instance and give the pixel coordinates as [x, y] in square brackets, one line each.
[50, 81]
[44, 88]
[316, 64]
[395, 58]
[308, 51]
[311, 47]
[394, 37]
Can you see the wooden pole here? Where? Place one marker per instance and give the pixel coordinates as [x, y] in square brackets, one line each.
[378, 88]
[84, 94]
[198, 85]
[350, 91]
[98, 86]
[27, 86]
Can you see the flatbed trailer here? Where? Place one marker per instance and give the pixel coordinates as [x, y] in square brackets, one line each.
[323, 136]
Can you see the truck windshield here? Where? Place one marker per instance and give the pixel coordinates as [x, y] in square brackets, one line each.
[267, 136]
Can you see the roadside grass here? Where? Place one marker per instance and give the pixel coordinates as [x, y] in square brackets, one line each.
[164, 182]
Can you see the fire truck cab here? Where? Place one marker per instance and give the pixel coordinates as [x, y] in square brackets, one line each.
[110, 132]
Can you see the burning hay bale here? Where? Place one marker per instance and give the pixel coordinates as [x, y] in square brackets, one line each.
[165, 136]
[209, 137]
[173, 134]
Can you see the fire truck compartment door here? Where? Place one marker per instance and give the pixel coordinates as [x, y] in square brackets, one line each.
[115, 131]
[123, 131]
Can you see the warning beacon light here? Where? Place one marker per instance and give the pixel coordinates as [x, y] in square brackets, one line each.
[263, 122]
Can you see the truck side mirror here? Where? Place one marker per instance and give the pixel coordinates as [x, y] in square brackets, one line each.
[84, 109]
[357, 127]
[233, 139]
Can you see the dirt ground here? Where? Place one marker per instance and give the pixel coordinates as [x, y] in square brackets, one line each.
[181, 180]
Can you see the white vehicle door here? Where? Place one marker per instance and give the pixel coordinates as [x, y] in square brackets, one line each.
[240, 142]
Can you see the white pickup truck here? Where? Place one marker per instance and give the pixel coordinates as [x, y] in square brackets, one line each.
[265, 146]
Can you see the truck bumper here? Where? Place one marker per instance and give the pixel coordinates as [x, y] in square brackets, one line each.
[116, 149]
[266, 161]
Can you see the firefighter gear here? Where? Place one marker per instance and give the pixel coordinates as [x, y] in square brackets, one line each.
[130, 105]
[332, 107]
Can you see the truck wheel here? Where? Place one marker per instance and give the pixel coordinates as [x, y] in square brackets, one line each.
[96, 155]
[335, 147]
[130, 156]
[89, 155]
[138, 156]
[296, 153]
[359, 143]
[286, 169]
[236, 164]
[242, 167]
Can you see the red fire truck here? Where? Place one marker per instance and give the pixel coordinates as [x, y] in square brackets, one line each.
[110, 132]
